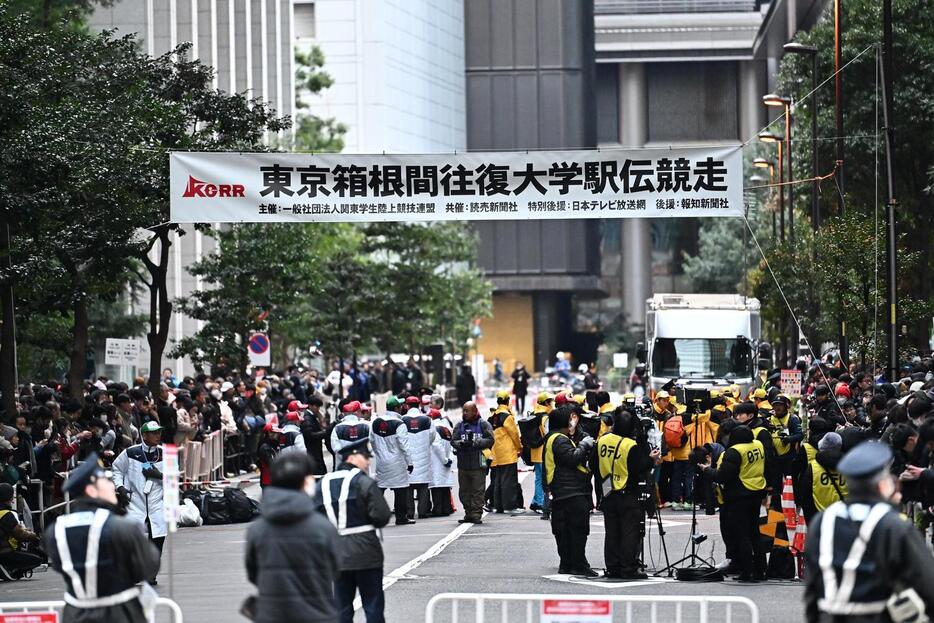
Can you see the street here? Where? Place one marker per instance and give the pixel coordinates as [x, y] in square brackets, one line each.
[503, 555]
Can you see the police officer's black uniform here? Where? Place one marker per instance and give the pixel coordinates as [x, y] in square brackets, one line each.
[861, 552]
[104, 557]
[354, 505]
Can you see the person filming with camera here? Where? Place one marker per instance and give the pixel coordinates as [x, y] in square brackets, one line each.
[622, 460]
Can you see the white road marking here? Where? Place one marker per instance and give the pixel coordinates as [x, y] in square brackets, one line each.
[572, 579]
[399, 573]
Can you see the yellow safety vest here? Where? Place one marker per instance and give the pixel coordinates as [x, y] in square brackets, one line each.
[757, 430]
[781, 448]
[809, 451]
[550, 457]
[11, 541]
[822, 486]
[752, 464]
[719, 488]
[613, 456]
[604, 427]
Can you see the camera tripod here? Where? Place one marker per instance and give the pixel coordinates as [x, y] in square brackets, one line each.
[649, 497]
[698, 568]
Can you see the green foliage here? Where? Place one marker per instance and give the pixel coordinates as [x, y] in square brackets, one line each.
[313, 133]
[48, 14]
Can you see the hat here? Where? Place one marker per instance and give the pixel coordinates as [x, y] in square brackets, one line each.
[83, 475]
[412, 400]
[758, 393]
[830, 441]
[502, 395]
[351, 407]
[821, 390]
[295, 405]
[842, 390]
[434, 414]
[226, 386]
[662, 394]
[865, 460]
[392, 402]
[269, 427]
[361, 446]
[629, 397]
[150, 427]
[745, 408]
[6, 492]
[782, 398]
[293, 416]
[426, 399]
[544, 397]
[563, 398]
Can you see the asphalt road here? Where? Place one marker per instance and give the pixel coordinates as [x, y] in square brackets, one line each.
[504, 555]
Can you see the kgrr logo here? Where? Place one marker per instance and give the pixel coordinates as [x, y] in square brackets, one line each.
[197, 188]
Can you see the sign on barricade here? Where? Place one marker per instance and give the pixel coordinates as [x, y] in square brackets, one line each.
[576, 611]
[30, 617]
[170, 497]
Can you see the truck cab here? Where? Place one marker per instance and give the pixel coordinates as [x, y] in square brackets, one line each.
[702, 341]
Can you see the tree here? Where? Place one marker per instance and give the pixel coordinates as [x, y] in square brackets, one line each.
[914, 145]
[313, 133]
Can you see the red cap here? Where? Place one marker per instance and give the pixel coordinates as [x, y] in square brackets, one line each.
[269, 427]
[434, 414]
[412, 400]
[426, 399]
[351, 407]
[292, 416]
[297, 406]
[563, 399]
[843, 390]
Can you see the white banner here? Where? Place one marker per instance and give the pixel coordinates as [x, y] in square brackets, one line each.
[228, 187]
[120, 352]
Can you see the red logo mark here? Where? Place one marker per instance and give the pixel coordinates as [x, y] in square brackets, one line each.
[197, 188]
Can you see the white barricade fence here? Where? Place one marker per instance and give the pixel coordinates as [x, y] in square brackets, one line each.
[51, 611]
[537, 608]
[203, 461]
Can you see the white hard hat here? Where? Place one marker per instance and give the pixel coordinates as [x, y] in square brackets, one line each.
[582, 367]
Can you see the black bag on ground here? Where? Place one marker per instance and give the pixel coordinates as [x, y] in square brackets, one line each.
[781, 564]
[214, 510]
[239, 506]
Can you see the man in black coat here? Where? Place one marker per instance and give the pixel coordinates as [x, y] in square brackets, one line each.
[466, 385]
[358, 511]
[292, 552]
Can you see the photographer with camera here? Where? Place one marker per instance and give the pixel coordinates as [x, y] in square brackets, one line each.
[623, 455]
[741, 475]
[786, 434]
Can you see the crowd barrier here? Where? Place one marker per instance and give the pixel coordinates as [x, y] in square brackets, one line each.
[202, 461]
[32, 610]
[629, 608]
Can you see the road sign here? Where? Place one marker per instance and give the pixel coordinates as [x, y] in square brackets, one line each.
[258, 348]
[120, 352]
[621, 360]
[791, 383]
[576, 611]
[170, 473]
[29, 617]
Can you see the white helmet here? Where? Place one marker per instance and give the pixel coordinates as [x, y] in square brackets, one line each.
[583, 367]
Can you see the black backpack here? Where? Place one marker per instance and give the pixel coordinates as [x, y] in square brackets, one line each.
[214, 510]
[239, 505]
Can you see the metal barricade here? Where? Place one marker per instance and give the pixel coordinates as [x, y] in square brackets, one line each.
[203, 461]
[42, 607]
[533, 608]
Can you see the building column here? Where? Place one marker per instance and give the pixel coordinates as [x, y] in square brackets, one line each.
[751, 110]
[636, 233]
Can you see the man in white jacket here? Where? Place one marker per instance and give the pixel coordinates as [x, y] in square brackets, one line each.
[442, 466]
[350, 428]
[389, 438]
[138, 478]
[421, 436]
[292, 438]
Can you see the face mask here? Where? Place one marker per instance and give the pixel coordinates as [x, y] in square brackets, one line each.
[573, 425]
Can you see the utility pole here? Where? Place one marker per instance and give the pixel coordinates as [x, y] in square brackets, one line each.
[888, 76]
[838, 174]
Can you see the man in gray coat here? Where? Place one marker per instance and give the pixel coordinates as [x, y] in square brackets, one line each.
[292, 552]
[471, 436]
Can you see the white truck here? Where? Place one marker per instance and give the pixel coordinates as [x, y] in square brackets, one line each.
[701, 341]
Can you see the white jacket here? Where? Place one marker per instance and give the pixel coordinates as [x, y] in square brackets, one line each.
[442, 474]
[350, 428]
[389, 438]
[298, 443]
[421, 436]
[145, 493]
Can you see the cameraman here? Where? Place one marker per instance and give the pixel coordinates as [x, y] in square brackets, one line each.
[622, 459]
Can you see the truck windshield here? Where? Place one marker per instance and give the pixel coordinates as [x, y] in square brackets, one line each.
[701, 358]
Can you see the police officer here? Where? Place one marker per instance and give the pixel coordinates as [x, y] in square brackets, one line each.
[741, 475]
[864, 561]
[102, 555]
[621, 462]
[355, 506]
[137, 474]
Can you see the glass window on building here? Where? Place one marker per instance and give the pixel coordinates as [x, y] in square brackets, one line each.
[304, 16]
[693, 101]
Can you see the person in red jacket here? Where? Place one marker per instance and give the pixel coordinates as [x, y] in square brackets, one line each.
[267, 451]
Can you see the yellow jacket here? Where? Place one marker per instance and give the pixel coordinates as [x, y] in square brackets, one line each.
[702, 430]
[537, 452]
[506, 442]
[605, 410]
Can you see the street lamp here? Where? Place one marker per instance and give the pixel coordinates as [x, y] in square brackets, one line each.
[767, 137]
[810, 50]
[774, 100]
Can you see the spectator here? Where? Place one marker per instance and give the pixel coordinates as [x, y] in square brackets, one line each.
[472, 437]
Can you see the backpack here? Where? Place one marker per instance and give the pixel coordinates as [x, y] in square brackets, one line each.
[674, 432]
[214, 510]
[239, 507]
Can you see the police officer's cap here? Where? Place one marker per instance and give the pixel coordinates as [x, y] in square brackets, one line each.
[865, 460]
[83, 475]
[361, 446]
[747, 408]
